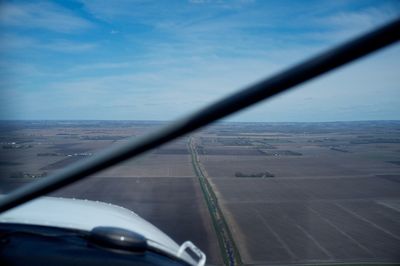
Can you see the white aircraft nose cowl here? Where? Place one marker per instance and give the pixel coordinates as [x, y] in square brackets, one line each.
[86, 215]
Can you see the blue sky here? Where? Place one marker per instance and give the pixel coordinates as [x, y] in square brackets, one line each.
[159, 60]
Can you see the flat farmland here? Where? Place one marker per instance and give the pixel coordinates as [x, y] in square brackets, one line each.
[171, 160]
[241, 190]
[175, 205]
[307, 161]
[160, 186]
[311, 220]
[333, 194]
[39, 157]
[291, 167]
[230, 151]
[34, 149]
[290, 193]
[314, 232]
[153, 165]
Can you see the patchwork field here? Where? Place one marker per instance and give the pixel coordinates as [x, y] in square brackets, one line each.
[310, 197]
[290, 193]
[160, 186]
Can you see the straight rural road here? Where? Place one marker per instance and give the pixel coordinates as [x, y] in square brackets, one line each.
[229, 252]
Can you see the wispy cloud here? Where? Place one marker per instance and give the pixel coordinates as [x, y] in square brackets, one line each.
[68, 46]
[345, 24]
[14, 42]
[102, 66]
[365, 18]
[109, 10]
[223, 3]
[11, 42]
[160, 59]
[42, 15]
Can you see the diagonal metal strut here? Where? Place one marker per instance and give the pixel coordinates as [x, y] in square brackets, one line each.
[278, 83]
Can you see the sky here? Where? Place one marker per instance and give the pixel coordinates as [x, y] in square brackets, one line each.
[162, 60]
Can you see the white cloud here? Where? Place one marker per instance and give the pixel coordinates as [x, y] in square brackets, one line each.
[188, 59]
[42, 15]
[343, 25]
[363, 19]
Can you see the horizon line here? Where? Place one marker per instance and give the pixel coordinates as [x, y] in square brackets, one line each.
[172, 121]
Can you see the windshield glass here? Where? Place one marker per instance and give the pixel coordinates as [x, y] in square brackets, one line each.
[312, 175]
